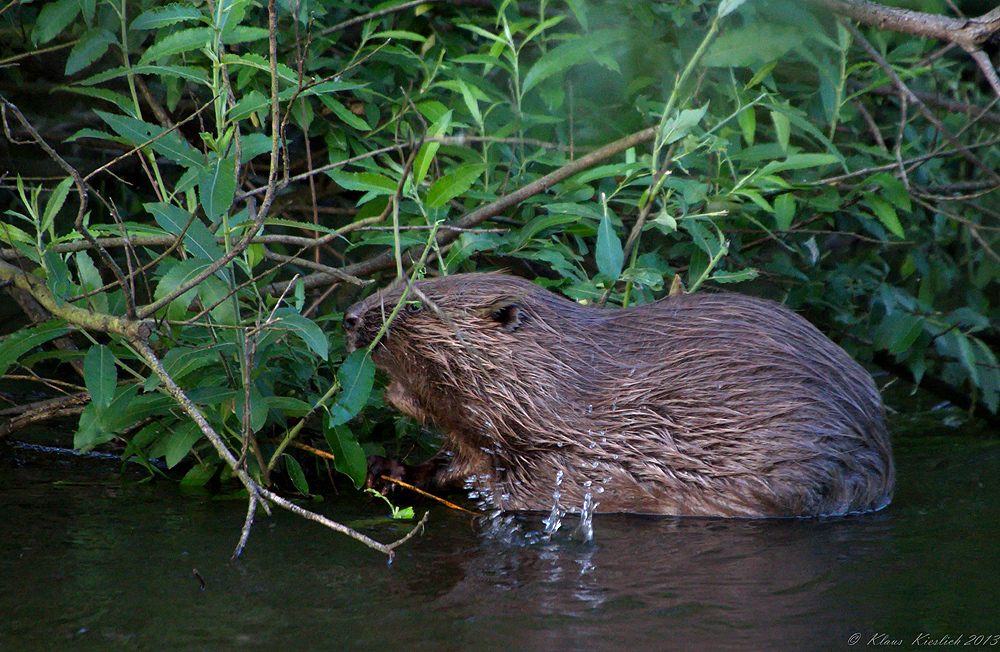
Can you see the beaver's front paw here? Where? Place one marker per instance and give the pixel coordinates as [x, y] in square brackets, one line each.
[378, 467]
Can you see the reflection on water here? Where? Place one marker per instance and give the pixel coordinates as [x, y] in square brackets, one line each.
[101, 563]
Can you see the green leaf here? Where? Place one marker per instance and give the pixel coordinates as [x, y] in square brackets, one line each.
[428, 151]
[356, 376]
[798, 162]
[365, 181]
[114, 98]
[187, 40]
[348, 456]
[216, 292]
[305, 328]
[198, 240]
[58, 280]
[189, 73]
[180, 442]
[609, 254]
[55, 203]
[752, 45]
[199, 475]
[784, 211]
[17, 344]
[681, 125]
[178, 275]
[727, 7]
[905, 331]
[782, 128]
[89, 49]
[735, 277]
[100, 374]
[167, 142]
[537, 225]
[453, 184]
[216, 187]
[167, 15]
[886, 214]
[245, 34]
[345, 116]
[53, 19]
[966, 356]
[565, 56]
[258, 408]
[748, 124]
[295, 473]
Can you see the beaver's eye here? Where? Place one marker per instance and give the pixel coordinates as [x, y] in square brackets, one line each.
[412, 307]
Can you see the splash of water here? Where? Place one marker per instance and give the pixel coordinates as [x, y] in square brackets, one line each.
[554, 520]
[584, 530]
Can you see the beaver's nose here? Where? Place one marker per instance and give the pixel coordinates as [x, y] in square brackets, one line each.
[352, 319]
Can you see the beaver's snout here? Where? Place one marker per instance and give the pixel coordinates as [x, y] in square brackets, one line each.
[353, 325]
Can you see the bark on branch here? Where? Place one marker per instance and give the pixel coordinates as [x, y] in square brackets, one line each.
[968, 33]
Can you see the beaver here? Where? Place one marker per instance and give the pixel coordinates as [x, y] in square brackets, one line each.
[697, 404]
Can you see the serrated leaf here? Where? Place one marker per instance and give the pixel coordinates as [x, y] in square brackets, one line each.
[53, 19]
[100, 374]
[886, 214]
[89, 49]
[55, 202]
[348, 456]
[609, 254]
[453, 184]
[167, 142]
[167, 15]
[198, 240]
[365, 181]
[190, 73]
[245, 34]
[186, 40]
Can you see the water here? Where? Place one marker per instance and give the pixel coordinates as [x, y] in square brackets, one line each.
[90, 560]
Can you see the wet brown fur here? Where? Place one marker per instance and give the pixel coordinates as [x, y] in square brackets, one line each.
[704, 404]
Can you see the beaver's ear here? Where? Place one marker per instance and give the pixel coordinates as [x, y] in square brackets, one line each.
[508, 315]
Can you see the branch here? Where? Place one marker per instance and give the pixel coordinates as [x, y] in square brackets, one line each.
[94, 321]
[967, 33]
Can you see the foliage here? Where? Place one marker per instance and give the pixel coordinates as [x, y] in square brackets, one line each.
[771, 154]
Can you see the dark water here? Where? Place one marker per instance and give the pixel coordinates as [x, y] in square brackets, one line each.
[90, 560]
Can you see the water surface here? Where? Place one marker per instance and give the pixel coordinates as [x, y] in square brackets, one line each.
[92, 560]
